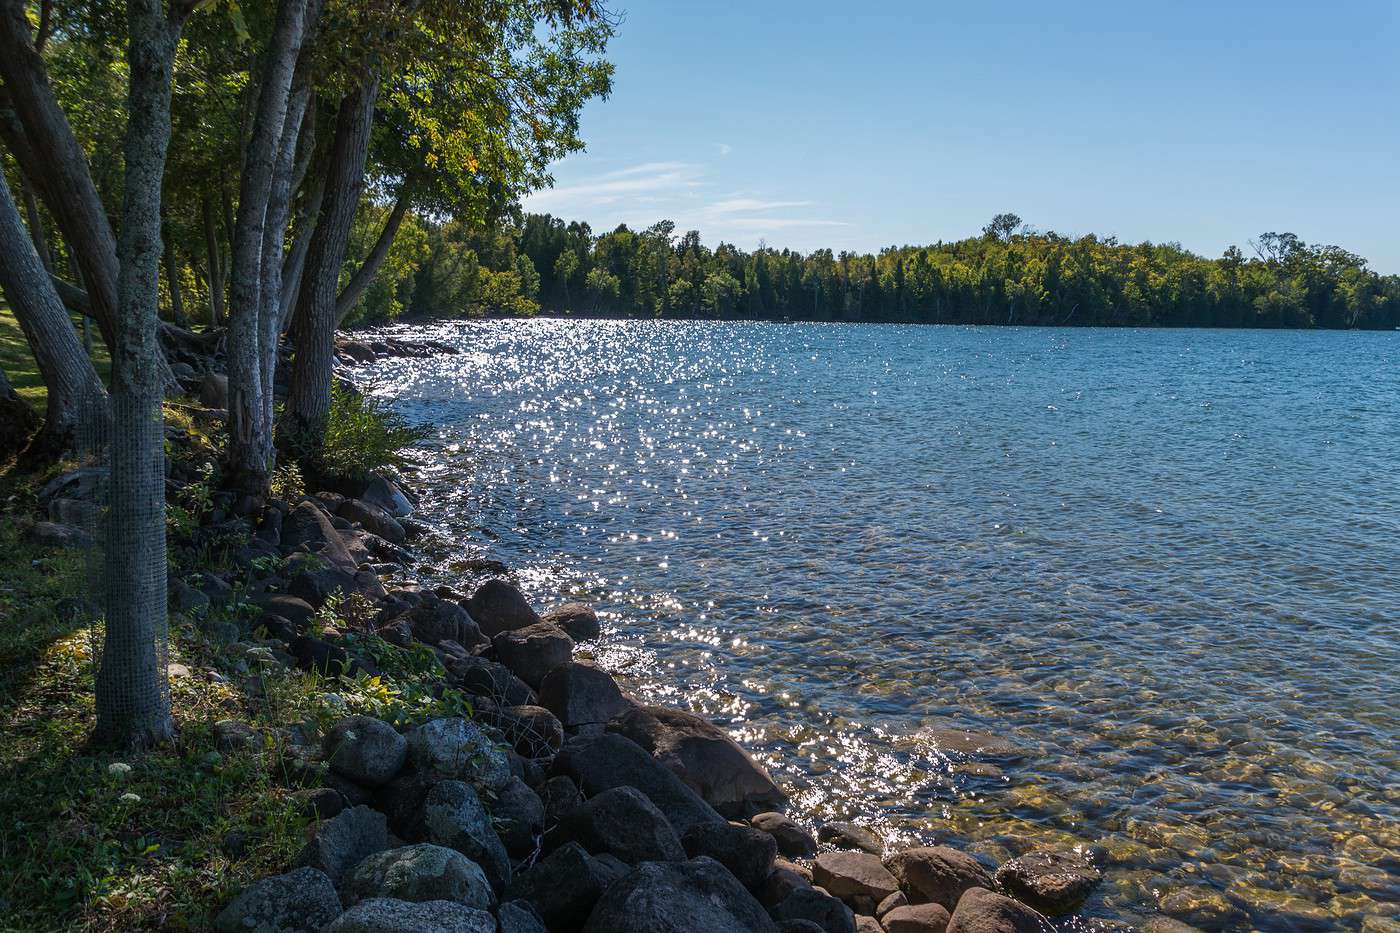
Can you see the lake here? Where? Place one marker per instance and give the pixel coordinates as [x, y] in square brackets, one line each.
[1159, 567]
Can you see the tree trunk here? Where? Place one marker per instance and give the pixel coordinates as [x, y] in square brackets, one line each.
[58, 165]
[36, 223]
[364, 275]
[215, 259]
[74, 391]
[133, 702]
[250, 431]
[308, 216]
[172, 282]
[308, 404]
[279, 205]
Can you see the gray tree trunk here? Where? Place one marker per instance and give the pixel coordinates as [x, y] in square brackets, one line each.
[250, 430]
[308, 216]
[172, 282]
[214, 257]
[355, 289]
[74, 391]
[308, 403]
[133, 702]
[36, 223]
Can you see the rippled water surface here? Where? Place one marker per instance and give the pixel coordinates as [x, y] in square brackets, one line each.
[1161, 568]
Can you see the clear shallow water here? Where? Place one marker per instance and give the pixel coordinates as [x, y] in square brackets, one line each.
[1161, 564]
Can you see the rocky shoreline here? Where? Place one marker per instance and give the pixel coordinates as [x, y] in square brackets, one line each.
[558, 802]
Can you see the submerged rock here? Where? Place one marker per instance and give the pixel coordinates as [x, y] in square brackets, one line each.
[1053, 882]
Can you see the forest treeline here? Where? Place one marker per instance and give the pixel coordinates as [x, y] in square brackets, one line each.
[1006, 275]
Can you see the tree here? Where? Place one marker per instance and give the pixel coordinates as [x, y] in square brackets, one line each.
[133, 706]
[1002, 227]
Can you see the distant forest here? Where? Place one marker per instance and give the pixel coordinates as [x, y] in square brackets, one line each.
[1008, 274]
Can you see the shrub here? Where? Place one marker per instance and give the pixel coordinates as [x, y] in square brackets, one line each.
[363, 435]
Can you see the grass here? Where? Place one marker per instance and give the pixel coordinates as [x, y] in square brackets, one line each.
[18, 362]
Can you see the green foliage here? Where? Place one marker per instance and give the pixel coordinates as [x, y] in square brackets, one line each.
[363, 435]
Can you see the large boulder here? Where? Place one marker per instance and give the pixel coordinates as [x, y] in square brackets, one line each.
[785, 878]
[937, 874]
[437, 620]
[388, 915]
[301, 901]
[599, 762]
[564, 886]
[747, 852]
[454, 817]
[916, 918]
[456, 748]
[484, 678]
[518, 813]
[620, 821]
[819, 907]
[373, 519]
[699, 896]
[283, 607]
[857, 878]
[532, 731]
[577, 619]
[308, 526]
[423, 872]
[560, 795]
[793, 840]
[387, 496]
[338, 845]
[1054, 882]
[520, 917]
[583, 695]
[365, 750]
[533, 651]
[499, 607]
[702, 755]
[981, 911]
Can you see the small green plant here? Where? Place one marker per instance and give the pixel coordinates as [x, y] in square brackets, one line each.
[287, 482]
[364, 435]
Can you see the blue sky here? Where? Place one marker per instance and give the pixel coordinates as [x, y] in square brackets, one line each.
[858, 126]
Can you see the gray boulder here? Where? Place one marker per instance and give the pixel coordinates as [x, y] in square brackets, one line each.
[857, 878]
[531, 730]
[1054, 882]
[582, 695]
[489, 679]
[301, 901]
[705, 757]
[560, 795]
[373, 519]
[520, 917]
[52, 534]
[793, 840]
[577, 619]
[339, 844]
[437, 620]
[699, 896]
[423, 872]
[916, 918]
[456, 748]
[499, 607]
[564, 886]
[387, 496]
[454, 817]
[533, 651]
[819, 907]
[748, 853]
[599, 762]
[785, 878]
[306, 525]
[981, 911]
[620, 821]
[937, 874]
[365, 750]
[518, 814]
[387, 915]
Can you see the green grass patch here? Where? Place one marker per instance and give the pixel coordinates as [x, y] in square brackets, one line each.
[18, 363]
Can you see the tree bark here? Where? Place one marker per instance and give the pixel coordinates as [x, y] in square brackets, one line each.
[364, 275]
[58, 165]
[308, 216]
[214, 258]
[308, 404]
[74, 391]
[250, 430]
[36, 222]
[172, 282]
[133, 702]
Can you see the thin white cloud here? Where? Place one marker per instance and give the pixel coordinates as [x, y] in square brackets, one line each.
[724, 148]
[639, 195]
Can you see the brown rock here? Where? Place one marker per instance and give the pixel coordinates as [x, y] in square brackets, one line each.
[918, 918]
[857, 878]
[936, 873]
[981, 911]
